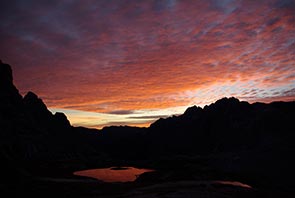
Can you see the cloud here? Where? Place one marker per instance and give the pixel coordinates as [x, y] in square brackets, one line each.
[284, 4]
[289, 93]
[121, 112]
[127, 123]
[153, 117]
[164, 5]
[109, 56]
[273, 21]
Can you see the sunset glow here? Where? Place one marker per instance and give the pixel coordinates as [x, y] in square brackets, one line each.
[125, 62]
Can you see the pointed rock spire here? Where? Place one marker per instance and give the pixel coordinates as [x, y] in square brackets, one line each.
[8, 92]
[5, 75]
[36, 107]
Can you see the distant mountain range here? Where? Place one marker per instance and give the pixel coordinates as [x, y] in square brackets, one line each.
[252, 141]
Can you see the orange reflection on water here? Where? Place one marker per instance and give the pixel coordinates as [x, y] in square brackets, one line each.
[233, 183]
[113, 174]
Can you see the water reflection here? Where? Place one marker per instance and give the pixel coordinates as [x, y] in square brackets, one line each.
[113, 174]
[233, 183]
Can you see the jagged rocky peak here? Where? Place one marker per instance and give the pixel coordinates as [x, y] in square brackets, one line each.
[30, 96]
[61, 119]
[225, 100]
[33, 101]
[35, 106]
[31, 105]
[224, 103]
[8, 92]
[5, 74]
[192, 110]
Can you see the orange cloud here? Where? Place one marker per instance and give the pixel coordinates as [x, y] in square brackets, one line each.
[125, 56]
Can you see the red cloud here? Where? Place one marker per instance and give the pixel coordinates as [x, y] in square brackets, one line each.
[105, 56]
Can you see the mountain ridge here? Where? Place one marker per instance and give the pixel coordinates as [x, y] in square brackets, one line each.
[249, 141]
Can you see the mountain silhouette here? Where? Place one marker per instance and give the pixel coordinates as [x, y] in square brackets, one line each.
[232, 138]
[33, 137]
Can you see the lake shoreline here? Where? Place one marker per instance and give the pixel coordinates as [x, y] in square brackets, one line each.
[84, 187]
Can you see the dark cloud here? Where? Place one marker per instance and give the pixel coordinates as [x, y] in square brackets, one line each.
[149, 117]
[285, 4]
[163, 5]
[290, 92]
[273, 21]
[225, 6]
[278, 29]
[121, 112]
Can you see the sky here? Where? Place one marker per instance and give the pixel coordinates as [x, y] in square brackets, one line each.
[130, 62]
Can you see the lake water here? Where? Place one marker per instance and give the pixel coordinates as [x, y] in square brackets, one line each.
[233, 183]
[113, 174]
[129, 174]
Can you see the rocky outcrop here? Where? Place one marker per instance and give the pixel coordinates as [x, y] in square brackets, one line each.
[9, 95]
[29, 133]
[36, 107]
